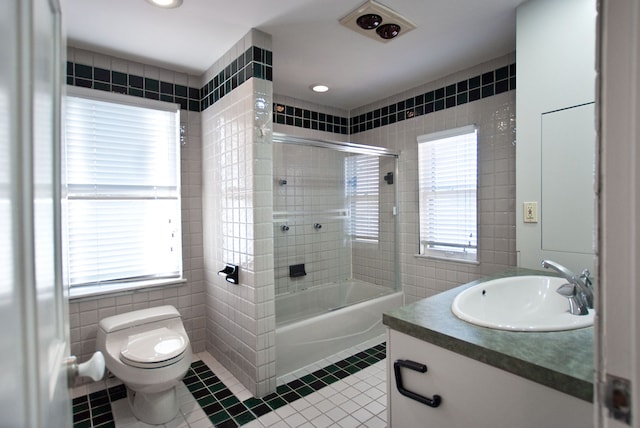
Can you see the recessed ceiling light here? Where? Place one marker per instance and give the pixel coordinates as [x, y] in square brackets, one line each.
[166, 4]
[319, 88]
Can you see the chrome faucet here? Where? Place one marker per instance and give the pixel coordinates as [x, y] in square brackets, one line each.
[579, 290]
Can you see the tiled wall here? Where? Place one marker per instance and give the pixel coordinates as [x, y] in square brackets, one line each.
[301, 118]
[88, 70]
[369, 262]
[436, 96]
[236, 323]
[495, 116]
[84, 314]
[237, 204]
[376, 262]
[105, 73]
[313, 194]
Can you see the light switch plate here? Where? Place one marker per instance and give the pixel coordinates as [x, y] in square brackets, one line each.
[530, 212]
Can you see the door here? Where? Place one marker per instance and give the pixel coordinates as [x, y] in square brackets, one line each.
[33, 308]
[618, 352]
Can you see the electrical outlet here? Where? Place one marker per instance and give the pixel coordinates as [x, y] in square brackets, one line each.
[530, 212]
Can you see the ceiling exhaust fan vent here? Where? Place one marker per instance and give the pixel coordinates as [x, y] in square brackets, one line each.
[377, 21]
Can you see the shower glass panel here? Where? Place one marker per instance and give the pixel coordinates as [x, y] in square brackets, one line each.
[334, 225]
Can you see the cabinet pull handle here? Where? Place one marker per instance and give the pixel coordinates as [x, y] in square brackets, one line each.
[418, 367]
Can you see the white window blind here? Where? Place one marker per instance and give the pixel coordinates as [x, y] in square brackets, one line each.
[122, 173]
[362, 176]
[447, 163]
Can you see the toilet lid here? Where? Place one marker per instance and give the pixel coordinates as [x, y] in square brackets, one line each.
[155, 348]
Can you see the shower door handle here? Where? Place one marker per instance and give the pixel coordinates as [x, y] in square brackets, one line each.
[412, 365]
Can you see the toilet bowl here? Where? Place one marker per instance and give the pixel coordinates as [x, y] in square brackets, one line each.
[150, 352]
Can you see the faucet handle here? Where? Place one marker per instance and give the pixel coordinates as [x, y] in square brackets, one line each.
[566, 290]
[576, 304]
[586, 276]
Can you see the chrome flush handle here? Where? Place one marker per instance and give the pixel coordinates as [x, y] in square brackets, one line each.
[93, 368]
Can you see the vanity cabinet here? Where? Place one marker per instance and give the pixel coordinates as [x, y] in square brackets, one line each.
[472, 394]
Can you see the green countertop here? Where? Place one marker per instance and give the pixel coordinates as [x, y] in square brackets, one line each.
[560, 360]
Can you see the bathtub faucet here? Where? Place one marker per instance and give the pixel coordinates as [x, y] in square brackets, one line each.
[579, 290]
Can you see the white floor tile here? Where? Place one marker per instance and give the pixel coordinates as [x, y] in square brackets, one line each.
[202, 423]
[324, 406]
[322, 421]
[336, 414]
[253, 424]
[337, 399]
[310, 413]
[196, 415]
[285, 411]
[270, 419]
[350, 392]
[375, 408]
[300, 404]
[350, 407]
[362, 415]
[358, 400]
[295, 420]
[375, 422]
[178, 422]
[349, 422]
[314, 398]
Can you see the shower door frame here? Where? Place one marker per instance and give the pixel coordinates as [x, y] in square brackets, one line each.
[355, 148]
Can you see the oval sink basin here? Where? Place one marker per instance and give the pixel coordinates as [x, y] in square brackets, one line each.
[520, 303]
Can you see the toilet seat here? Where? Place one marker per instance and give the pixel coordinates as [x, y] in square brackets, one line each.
[153, 349]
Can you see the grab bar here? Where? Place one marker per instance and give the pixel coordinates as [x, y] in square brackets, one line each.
[412, 365]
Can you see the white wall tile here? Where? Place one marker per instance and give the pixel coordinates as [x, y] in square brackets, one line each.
[87, 312]
[495, 117]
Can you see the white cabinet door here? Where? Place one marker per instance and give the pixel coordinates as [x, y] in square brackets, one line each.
[472, 394]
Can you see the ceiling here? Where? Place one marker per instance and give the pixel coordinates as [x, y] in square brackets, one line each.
[309, 44]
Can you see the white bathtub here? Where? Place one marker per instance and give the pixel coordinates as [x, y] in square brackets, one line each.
[316, 323]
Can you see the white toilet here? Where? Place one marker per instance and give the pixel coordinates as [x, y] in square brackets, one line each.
[150, 352]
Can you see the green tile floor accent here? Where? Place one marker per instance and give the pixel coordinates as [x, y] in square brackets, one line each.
[218, 402]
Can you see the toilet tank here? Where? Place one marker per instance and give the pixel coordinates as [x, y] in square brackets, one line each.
[138, 318]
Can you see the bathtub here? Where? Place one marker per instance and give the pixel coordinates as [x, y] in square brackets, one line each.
[321, 321]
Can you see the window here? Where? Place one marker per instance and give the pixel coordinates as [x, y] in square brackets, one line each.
[447, 163]
[362, 177]
[122, 177]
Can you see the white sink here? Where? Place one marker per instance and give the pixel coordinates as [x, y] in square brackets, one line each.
[520, 303]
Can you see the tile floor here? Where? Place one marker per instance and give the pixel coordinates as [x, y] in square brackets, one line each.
[345, 390]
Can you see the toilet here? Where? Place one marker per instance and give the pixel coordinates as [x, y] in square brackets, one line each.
[150, 352]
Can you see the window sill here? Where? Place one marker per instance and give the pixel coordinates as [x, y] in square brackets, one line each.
[365, 242]
[447, 259]
[97, 291]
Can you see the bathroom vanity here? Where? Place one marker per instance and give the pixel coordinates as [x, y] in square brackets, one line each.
[445, 372]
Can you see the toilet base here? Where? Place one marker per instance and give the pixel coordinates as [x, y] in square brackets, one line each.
[154, 408]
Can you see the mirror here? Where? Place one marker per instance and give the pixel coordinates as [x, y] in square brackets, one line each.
[556, 138]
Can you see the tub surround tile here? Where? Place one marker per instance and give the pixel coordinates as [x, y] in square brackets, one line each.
[560, 360]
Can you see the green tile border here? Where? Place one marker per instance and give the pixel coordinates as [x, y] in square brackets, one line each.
[224, 409]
